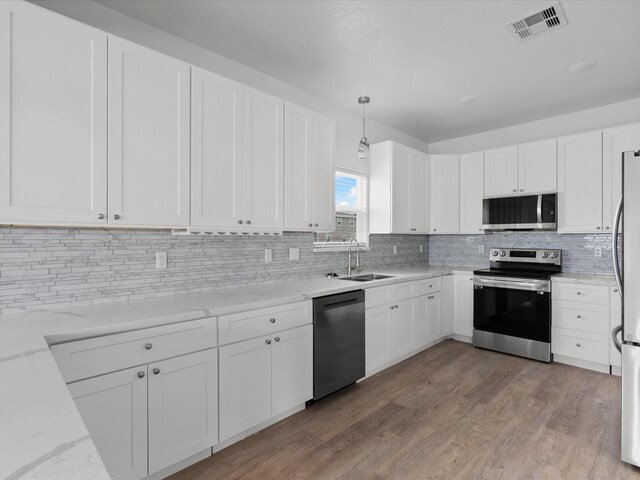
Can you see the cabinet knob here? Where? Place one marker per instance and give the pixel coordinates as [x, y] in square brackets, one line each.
[615, 290]
[277, 339]
[514, 190]
[148, 346]
[522, 190]
[579, 316]
[598, 227]
[311, 224]
[248, 222]
[239, 222]
[156, 371]
[101, 216]
[607, 227]
[578, 345]
[434, 229]
[140, 374]
[479, 229]
[116, 217]
[471, 279]
[272, 320]
[268, 342]
[315, 224]
[578, 293]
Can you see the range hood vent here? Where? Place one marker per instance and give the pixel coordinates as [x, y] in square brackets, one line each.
[549, 18]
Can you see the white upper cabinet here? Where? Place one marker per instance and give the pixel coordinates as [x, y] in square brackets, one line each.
[148, 137]
[445, 194]
[501, 171]
[263, 160]
[309, 170]
[580, 182]
[216, 150]
[53, 118]
[615, 141]
[398, 179]
[537, 162]
[471, 192]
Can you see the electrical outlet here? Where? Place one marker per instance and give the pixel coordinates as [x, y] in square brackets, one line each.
[421, 248]
[480, 248]
[395, 249]
[597, 252]
[161, 260]
[294, 254]
[268, 255]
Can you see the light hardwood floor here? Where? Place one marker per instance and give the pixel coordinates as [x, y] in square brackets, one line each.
[451, 412]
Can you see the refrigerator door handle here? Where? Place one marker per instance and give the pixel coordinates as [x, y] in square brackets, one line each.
[614, 244]
[614, 335]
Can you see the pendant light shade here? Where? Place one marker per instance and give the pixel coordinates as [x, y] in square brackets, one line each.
[363, 146]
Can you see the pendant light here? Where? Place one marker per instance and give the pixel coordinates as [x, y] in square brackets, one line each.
[363, 147]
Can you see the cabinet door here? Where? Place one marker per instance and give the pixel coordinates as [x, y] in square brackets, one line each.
[580, 183]
[400, 189]
[471, 192]
[183, 407]
[324, 178]
[216, 150]
[53, 118]
[376, 337]
[445, 194]
[420, 331]
[615, 319]
[463, 305]
[401, 339]
[419, 192]
[245, 385]
[501, 171]
[292, 363]
[446, 306]
[537, 165]
[615, 141]
[148, 137]
[434, 308]
[299, 167]
[263, 160]
[114, 409]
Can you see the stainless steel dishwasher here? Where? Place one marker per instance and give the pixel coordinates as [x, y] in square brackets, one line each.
[338, 342]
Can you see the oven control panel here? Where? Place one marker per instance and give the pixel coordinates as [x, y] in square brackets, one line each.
[525, 255]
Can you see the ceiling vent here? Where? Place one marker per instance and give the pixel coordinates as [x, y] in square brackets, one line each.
[549, 18]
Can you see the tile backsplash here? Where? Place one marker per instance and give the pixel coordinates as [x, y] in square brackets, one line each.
[48, 267]
[577, 249]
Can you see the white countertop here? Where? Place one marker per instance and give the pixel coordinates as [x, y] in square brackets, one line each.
[41, 432]
[606, 280]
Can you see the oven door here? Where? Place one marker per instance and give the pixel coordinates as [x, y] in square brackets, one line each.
[514, 307]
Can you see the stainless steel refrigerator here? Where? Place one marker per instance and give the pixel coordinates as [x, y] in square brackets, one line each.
[629, 287]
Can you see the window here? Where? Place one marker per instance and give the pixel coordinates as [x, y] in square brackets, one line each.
[351, 213]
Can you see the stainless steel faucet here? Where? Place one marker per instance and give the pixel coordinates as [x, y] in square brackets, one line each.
[357, 267]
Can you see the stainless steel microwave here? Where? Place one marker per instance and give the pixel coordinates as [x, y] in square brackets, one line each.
[524, 212]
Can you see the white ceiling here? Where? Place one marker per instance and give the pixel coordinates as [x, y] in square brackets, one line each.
[417, 58]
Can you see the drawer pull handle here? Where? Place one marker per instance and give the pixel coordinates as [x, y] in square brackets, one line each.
[268, 342]
[140, 374]
[116, 217]
[277, 339]
[148, 346]
[579, 316]
[272, 320]
[430, 286]
[578, 345]
[578, 293]
[156, 371]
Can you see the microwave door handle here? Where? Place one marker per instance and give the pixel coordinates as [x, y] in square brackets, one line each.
[539, 209]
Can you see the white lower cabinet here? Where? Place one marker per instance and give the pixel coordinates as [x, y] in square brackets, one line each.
[447, 297]
[114, 409]
[183, 408]
[263, 377]
[155, 415]
[434, 317]
[376, 337]
[401, 335]
[463, 305]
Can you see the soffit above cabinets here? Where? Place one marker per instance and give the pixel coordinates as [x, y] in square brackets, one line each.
[418, 58]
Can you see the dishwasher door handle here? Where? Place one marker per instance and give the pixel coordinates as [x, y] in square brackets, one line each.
[343, 303]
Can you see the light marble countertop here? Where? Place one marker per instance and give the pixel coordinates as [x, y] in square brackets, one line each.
[41, 432]
[607, 280]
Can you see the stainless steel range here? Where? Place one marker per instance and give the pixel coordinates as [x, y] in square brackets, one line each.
[512, 302]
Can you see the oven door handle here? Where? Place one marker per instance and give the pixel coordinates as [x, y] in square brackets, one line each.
[528, 285]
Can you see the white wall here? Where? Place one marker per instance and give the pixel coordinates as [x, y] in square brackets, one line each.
[348, 126]
[583, 121]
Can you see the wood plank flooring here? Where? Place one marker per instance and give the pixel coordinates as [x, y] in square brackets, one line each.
[450, 412]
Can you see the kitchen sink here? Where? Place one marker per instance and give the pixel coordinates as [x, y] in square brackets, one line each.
[366, 278]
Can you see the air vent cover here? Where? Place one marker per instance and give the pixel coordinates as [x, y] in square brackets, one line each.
[549, 18]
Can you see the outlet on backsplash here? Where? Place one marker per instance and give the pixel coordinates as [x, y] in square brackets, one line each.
[597, 251]
[481, 249]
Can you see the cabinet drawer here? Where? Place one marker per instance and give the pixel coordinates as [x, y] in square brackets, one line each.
[581, 293]
[401, 291]
[584, 317]
[425, 287]
[582, 345]
[96, 356]
[375, 297]
[255, 323]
